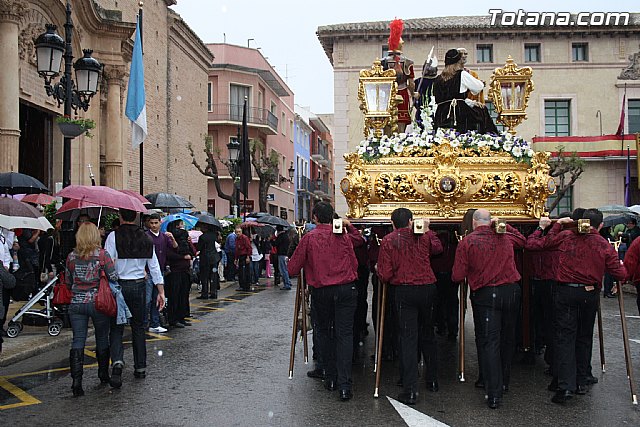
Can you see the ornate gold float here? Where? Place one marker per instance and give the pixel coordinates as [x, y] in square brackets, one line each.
[442, 175]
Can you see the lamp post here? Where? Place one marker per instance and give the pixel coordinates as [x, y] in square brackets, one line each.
[50, 50]
[234, 152]
[291, 171]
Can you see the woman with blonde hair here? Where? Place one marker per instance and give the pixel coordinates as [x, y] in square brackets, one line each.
[82, 276]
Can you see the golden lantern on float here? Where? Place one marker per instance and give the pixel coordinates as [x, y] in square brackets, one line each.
[509, 90]
[377, 92]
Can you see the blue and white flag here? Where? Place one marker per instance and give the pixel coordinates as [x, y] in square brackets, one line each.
[136, 109]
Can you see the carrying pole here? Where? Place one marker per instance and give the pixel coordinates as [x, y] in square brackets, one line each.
[294, 332]
[601, 336]
[302, 283]
[380, 335]
[463, 306]
[627, 353]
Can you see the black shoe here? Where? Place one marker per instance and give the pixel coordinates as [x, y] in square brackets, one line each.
[346, 395]
[505, 388]
[582, 390]
[102, 357]
[562, 396]
[493, 402]
[116, 377]
[330, 385]
[184, 322]
[479, 383]
[316, 373]
[591, 380]
[140, 374]
[213, 296]
[76, 362]
[609, 296]
[176, 325]
[433, 386]
[408, 397]
[553, 386]
[202, 297]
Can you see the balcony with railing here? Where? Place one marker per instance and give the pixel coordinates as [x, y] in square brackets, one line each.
[320, 188]
[304, 184]
[320, 152]
[232, 114]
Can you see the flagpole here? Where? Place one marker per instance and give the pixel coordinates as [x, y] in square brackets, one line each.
[142, 144]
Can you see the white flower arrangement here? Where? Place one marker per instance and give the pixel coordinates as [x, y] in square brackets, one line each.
[373, 148]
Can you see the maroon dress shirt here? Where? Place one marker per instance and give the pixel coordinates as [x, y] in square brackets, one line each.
[632, 262]
[328, 259]
[404, 257]
[544, 262]
[583, 258]
[243, 246]
[486, 258]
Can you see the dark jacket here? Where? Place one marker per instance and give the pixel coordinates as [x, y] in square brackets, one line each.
[282, 243]
[209, 256]
[7, 281]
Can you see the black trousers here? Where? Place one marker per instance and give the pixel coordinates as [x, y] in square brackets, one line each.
[177, 286]
[335, 307]
[360, 317]
[414, 308]
[244, 273]
[447, 305]
[575, 316]
[542, 316]
[495, 311]
[390, 342]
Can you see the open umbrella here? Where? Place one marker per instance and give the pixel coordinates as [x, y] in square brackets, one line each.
[166, 201]
[189, 221]
[136, 195]
[72, 209]
[612, 220]
[614, 209]
[102, 196]
[209, 219]
[15, 214]
[16, 183]
[250, 224]
[39, 199]
[265, 232]
[273, 220]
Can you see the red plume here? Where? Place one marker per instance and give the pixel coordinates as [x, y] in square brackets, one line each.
[396, 32]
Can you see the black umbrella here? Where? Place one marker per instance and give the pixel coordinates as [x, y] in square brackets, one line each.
[166, 200]
[265, 232]
[612, 220]
[209, 219]
[273, 220]
[19, 183]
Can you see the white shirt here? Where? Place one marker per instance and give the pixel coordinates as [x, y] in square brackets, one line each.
[468, 82]
[5, 255]
[132, 269]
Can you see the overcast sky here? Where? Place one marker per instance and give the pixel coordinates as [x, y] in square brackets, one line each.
[285, 30]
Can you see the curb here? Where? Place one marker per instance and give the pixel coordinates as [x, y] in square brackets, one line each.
[64, 339]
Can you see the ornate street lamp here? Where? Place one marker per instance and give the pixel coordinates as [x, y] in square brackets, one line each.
[291, 171]
[377, 93]
[50, 50]
[509, 90]
[234, 153]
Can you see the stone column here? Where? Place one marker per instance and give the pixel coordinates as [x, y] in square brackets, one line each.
[114, 171]
[10, 13]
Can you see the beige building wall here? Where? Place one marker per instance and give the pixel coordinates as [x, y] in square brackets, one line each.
[591, 86]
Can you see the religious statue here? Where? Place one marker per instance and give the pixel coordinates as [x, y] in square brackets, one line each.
[424, 85]
[455, 109]
[404, 72]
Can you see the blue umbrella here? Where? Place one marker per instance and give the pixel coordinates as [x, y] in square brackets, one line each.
[189, 221]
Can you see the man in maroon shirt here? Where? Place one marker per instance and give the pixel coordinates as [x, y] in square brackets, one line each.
[243, 260]
[331, 269]
[404, 264]
[632, 264]
[582, 262]
[486, 259]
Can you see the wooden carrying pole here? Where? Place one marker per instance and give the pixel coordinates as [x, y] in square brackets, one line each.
[627, 353]
[376, 356]
[463, 305]
[294, 332]
[303, 284]
[381, 310]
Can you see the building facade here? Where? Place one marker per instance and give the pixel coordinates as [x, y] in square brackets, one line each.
[322, 160]
[581, 75]
[176, 68]
[240, 73]
[302, 152]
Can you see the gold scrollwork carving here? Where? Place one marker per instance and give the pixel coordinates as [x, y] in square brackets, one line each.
[356, 186]
[397, 187]
[498, 186]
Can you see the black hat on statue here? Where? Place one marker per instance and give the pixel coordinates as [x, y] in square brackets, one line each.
[452, 56]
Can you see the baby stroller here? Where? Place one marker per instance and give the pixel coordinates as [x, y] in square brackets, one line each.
[48, 314]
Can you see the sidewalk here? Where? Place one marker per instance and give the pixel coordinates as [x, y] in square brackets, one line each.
[34, 340]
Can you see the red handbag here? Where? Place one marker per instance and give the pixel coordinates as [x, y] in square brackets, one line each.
[105, 302]
[61, 293]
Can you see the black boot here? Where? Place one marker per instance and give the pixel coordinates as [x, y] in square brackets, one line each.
[76, 360]
[116, 376]
[103, 365]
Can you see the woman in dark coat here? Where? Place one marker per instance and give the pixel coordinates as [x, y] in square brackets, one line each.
[178, 280]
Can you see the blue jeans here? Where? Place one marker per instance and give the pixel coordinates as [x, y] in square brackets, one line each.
[255, 271]
[284, 273]
[151, 313]
[79, 315]
[134, 293]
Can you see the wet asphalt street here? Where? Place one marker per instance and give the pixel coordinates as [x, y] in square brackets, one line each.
[231, 369]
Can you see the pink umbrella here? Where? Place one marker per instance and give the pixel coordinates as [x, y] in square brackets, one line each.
[137, 196]
[39, 199]
[72, 209]
[102, 196]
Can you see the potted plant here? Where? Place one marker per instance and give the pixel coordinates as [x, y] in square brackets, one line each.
[71, 128]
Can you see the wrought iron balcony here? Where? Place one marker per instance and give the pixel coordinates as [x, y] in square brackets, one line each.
[232, 113]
